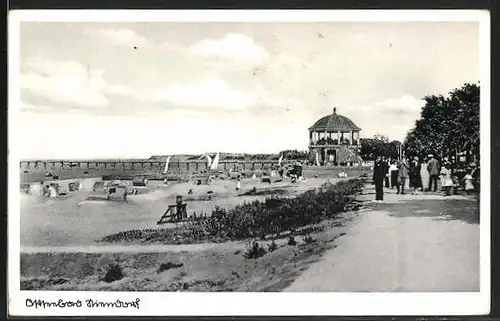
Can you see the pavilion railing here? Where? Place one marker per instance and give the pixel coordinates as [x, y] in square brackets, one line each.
[330, 141]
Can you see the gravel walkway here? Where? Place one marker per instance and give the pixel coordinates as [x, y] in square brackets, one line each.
[408, 243]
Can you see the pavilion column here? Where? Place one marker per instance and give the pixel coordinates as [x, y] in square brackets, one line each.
[339, 138]
[358, 139]
[351, 138]
[310, 137]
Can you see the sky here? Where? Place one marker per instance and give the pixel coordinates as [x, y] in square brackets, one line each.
[101, 90]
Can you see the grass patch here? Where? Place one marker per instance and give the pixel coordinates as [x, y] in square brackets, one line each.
[274, 216]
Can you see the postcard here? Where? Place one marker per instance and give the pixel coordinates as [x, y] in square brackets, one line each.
[275, 162]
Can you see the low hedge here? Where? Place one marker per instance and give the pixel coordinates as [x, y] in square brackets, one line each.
[272, 217]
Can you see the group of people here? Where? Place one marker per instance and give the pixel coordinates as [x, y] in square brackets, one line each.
[422, 175]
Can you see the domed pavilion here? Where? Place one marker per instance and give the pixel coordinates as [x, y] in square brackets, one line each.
[334, 140]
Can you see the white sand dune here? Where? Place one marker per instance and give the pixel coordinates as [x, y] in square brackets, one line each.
[73, 220]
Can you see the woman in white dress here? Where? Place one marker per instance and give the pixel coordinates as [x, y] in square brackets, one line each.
[442, 176]
[424, 174]
[448, 181]
[469, 187]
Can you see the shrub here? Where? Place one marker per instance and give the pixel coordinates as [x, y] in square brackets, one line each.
[168, 266]
[291, 241]
[114, 273]
[272, 247]
[255, 251]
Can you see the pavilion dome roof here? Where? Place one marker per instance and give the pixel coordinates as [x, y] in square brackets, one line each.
[334, 122]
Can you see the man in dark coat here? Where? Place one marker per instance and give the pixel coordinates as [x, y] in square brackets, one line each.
[434, 170]
[386, 167]
[379, 174]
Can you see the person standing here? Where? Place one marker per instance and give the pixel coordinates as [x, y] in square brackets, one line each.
[442, 176]
[424, 175]
[469, 187]
[379, 174]
[386, 168]
[403, 169]
[415, 179]
[448, 181]
[444, 169]
[238, 185]
[393, 169]
[433, 169]
[475, 176]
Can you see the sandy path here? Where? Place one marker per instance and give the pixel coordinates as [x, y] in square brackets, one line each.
[154, 248]
[410, 243]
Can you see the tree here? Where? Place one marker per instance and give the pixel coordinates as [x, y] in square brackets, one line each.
[447, 125]
[381, 138]
[379, 145]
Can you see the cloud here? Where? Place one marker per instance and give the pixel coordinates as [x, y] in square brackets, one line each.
[47, 67]
[118, 37]
[68, 82]
[403, 105]
[212, 92]
[392, 117]
[63, 89]
[233, 46]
